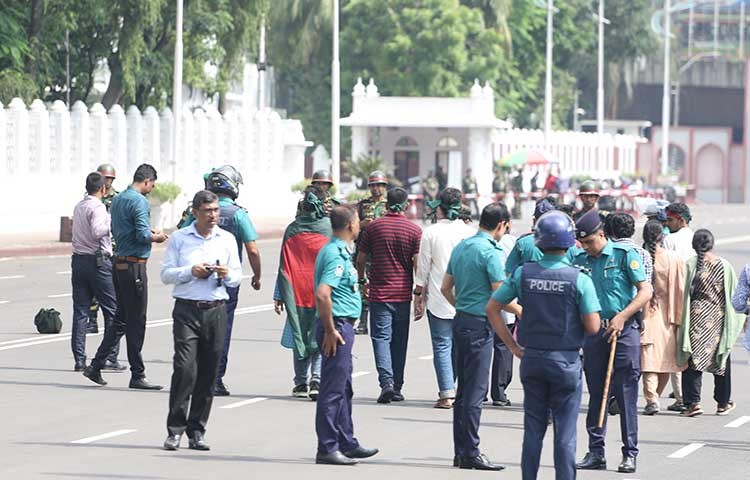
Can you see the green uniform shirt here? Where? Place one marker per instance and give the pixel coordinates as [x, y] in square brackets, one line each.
[107, 198]
[334, 267]
[328, 204]
[523, 251]
[469, 184]
[614, 272]
[476, 263]
[370, 209]
[588, 302]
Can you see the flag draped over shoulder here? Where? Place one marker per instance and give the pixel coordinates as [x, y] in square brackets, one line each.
[303, 239]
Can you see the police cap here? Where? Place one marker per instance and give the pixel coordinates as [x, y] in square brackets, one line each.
[589, 223]
[588, 188]
[323, 176]
[377, 177]
[107, 170]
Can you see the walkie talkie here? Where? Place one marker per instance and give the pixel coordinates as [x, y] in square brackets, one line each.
[218, 278]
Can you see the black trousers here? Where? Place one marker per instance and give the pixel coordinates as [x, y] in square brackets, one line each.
[502, 368]
[198, 344]
[131, 286]
[692, 383]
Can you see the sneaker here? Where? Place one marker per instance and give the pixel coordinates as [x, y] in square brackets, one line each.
[501, 403]
[300, 391]
[721, 411]
[693, 410]
[651, 409]
[314, 390]
[397, 396]
[677, 407]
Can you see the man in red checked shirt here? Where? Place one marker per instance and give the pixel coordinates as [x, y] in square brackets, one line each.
[392, 244]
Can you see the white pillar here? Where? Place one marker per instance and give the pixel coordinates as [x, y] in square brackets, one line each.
[135, 137]
[186, 154]
[359, 143]
[166, 143]
[216, 145]
[118, 141]
[59, 123]
[480, 159]
[151, 138]
[232, 139]
[202, 160]
[666, 92]
[99, 136]
[39, 138]
[335, 100]
[79, 121]
[18, 137]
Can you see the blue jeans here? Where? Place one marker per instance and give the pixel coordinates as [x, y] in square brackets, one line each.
[441, 331]
[313, 363]
[88, 281]
[389, 330]
[231, 306]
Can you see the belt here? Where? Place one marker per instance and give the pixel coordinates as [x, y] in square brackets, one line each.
[131, 259]
[605, 322]
[201, 304]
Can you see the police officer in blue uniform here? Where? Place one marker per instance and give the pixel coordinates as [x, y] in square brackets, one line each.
[525, 249]
[338, 303]
[559, 305]
[622, 289]
[475, 270]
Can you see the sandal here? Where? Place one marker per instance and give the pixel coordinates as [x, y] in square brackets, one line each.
[722, 411]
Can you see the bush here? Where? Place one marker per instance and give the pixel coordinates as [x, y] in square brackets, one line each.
[300, 186]
[164, 192]
[357, 195]
[16, 84]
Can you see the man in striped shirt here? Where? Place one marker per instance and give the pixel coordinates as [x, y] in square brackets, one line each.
[392, 243]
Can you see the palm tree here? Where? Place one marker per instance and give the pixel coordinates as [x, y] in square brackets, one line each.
[300, 27]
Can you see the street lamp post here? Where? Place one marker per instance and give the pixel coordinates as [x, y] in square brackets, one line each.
[548, 74]
[335, 100]
[600, 84]
[177, 91]
[666, 92]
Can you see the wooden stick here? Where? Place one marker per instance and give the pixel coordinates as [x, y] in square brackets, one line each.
[605, 393]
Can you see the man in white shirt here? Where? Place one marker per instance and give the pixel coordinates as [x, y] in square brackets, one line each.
[679, 240]
[437, 243]
[202, 260]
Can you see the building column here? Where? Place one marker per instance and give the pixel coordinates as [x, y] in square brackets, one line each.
[480, 159]
[359, 143]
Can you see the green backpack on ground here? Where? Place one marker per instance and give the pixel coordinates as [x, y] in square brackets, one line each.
[48, 321]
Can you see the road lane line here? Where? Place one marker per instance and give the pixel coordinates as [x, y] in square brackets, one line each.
[64, 272]
[60, 295]
[359, 374]
[685, 451]
[61, 337]
[738, 422]
[3, 302]
[12, 277]
[426, 357]
[731, 240]
[104, 436]
[244, 402]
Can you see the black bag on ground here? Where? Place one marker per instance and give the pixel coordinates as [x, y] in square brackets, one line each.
[48, 321]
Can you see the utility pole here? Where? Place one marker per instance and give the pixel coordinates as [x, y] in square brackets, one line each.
[262, 65]
[335, 100]
[548, 74]
[600, 86]
[666, 92]
[177, 92]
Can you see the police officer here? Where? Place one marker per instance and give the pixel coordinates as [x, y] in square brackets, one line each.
[589, 195]
[338, 305]
[622, 289]
[525, 249]
[369, 209]
[559, 305]
[225, 182]
[474, 271]
[469, 184]
[108, 172]
[323, 179]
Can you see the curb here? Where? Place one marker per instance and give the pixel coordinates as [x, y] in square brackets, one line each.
[60, 248]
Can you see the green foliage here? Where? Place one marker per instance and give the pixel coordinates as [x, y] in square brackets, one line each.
[357, 195]
[164, 192]
[300, 186]
[363, 167]
[16, 84]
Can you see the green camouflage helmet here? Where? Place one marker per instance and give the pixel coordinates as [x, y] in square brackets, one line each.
[323, 176]
[107, 170]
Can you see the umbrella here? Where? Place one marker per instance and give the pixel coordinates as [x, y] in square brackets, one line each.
[525, 157]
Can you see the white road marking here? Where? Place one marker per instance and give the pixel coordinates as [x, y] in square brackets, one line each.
[5, 259]
[64, 272]
[426, 357]
[12, 277]
[738, 422]
[732, 240]
[3, 302]
[244, 402]
[104, 436]
[359, 374]
[61, 337]
[685, 451]
[60, 295]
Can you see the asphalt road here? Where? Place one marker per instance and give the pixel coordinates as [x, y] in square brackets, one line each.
[59, 425]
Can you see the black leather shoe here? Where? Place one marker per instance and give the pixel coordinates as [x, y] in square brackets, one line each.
[79, 366]
[94, 375]
[197, 442]
[220, 390]
[92, 327]
[115, 367]
[480, 462]
[143, 384]
[592, 461]
[172, 442]
[361, 452]
[614, 407]
[397, 396]
[456, 460]
[334, 458]
[627, 465]
[386, 395]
